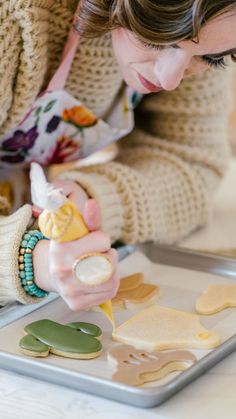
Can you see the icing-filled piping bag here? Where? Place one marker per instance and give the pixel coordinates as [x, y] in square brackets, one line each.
[61, 220]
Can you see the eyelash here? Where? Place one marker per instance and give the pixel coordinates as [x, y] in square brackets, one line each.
[217, 63]
[152, 46]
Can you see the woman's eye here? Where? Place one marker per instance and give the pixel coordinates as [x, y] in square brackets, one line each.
[152, 46]
[217, 63]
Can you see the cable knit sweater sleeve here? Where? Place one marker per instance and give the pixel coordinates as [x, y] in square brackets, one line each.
[162, 184]
[12, 228]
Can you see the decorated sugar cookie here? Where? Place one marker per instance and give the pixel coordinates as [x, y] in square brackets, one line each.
[136, 367]
[74, 340]
[133, 293]
[161, 328]
[216, 298]
[131, 282]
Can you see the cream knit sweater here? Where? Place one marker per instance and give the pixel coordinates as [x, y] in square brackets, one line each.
[161, 185]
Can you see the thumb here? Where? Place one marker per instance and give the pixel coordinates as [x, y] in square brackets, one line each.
[92, 215]
[36, 211]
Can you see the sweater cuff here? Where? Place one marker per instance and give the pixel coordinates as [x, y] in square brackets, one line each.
[12, 229]
[100, 188]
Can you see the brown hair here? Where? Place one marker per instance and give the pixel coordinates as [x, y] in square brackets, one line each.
[159, 22]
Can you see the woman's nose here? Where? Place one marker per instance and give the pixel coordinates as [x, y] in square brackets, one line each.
[170, 70]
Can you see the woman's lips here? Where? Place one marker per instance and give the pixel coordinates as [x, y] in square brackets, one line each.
[148, 85]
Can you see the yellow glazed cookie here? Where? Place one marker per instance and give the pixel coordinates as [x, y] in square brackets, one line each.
[133, 293]
[216, 298]
[160, 328]
[130, 282]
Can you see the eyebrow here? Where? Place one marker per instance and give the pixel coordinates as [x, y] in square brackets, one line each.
[218, 55]
[223, 54]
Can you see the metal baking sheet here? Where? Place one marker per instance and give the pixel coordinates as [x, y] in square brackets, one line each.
[189, 259]
[182, 276]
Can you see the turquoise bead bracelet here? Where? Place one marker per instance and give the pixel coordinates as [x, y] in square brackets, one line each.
[26, 272]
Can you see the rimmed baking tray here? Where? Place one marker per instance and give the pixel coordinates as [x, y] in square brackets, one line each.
[181, 274]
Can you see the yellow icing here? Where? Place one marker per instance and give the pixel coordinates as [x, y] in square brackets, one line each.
[64, 224]
[107, 310]
[203, 335]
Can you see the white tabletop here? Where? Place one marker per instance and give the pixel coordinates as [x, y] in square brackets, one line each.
[212, 396]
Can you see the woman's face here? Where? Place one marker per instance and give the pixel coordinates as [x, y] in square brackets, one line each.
[149, 69]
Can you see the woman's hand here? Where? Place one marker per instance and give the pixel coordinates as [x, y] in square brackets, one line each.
[53, 264]
[73, 191]
[53, 270]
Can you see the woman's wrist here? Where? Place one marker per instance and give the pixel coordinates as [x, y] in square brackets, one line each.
[41, 265]
[26, 269]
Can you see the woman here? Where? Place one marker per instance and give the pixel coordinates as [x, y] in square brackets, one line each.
[161, 185]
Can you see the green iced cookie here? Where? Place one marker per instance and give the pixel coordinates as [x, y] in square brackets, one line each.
[30, 344]
[76, 340]
[88, 328]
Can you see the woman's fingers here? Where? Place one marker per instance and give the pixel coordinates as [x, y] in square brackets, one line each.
[69, 284]
[114, 280]
[36, 211]
[71, 289]
[86, 301]
[92, 215]
[88, 207]
[96, 241]
[74, 192]
[110, 286]
[79, 296]
[62, 257]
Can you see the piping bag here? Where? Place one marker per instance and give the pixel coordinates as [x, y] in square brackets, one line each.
[61, 221]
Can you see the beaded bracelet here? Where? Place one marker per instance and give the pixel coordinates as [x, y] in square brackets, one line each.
[26, 273]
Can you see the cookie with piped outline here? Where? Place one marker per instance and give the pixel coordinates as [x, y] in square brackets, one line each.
[134, 294]
[216, 298]
[136, 367]
[161, 328]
